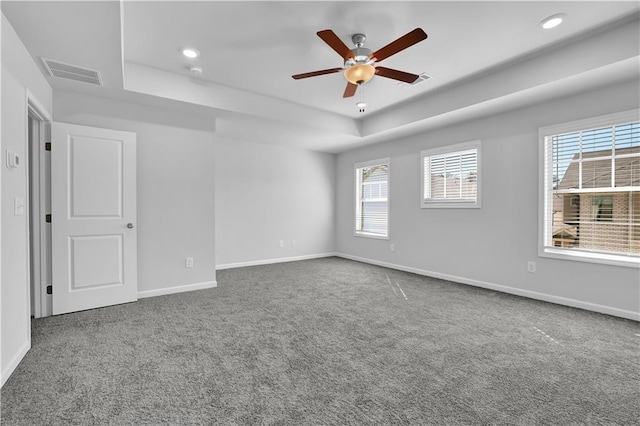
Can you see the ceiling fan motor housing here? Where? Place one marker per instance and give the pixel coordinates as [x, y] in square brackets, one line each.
[361, 54]
[360, 57]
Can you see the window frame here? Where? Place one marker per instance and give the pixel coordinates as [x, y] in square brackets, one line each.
[451, 149]
[356, 181]
[545, 203]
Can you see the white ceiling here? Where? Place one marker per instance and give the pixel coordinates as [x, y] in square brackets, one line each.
[257, 46]
[249, 50]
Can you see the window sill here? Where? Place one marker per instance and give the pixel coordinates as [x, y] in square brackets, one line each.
[449, 205]
[368, 235]
[581, 256]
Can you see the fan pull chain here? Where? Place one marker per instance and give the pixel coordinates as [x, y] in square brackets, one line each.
[361, 105]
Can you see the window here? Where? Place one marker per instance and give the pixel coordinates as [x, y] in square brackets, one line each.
[591, 190]
[372, 198]
[451, 176]
[603, 208]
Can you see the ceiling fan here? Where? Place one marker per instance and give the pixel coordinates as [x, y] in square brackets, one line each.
[360, 64]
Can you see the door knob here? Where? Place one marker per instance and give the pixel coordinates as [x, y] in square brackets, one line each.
[130, 225]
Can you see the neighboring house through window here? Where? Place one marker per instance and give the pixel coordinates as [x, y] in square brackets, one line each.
[603, 208]
[592, 189]
[450, 176]
[372, 198]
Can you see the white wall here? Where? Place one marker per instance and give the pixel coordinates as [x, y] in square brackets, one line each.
[266, 193]
[175, 190]
[19, 74]
[490, 246]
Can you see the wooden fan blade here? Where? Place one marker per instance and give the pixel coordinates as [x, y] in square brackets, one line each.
[400, 44]
[335, 43]
[350, 90]
[396, 75]
[315, 73]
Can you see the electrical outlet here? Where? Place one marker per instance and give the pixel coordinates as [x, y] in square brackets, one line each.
[293, 243]
[531, 267]
[280, 243]
[188, 262]
[392, 247]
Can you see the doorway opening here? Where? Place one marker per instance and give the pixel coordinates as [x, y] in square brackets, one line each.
[38, 204]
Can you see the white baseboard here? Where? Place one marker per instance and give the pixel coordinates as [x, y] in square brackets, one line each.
[505, 289]
[177, 289]
[15, 361]
[270, 261]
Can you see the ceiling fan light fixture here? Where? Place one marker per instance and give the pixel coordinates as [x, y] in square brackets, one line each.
[359, 73]
[552, 21]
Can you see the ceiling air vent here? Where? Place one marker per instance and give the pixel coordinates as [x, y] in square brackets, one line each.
[72, 72]
[422, 77]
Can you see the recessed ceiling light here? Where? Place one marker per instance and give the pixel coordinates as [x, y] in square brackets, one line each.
[190, 52]
[552, 21]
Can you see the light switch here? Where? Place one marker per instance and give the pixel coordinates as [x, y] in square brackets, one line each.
[13, 160]
[18, 206]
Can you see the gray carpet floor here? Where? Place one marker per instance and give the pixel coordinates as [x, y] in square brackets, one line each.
[329, 341]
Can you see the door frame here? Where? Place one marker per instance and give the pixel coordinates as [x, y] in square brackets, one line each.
[38, 190]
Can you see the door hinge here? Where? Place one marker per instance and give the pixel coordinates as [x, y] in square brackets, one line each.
[47, 146]
[47, 218]
[49, 289]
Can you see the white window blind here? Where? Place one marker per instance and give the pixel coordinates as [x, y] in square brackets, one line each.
[372, 198]
[592, 199]
[450, 176]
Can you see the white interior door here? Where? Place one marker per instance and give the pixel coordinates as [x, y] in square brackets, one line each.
[93, 217]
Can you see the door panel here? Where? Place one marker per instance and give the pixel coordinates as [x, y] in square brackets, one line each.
[88, 174]
[94, 260]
